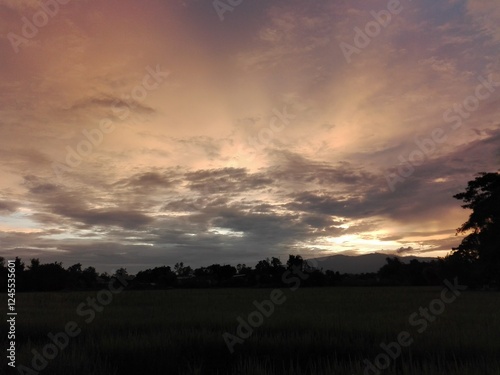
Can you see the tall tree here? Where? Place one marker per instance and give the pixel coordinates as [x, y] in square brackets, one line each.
[481, 245]
[295, 260]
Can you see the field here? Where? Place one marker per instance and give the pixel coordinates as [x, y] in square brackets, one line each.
[314, 331]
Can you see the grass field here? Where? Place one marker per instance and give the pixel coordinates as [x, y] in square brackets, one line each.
[315, 331]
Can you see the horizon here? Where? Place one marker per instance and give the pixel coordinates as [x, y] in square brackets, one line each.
[149, 134]
[132, 271]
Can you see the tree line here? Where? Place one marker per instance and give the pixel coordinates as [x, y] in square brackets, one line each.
[268, 272]
[476, 262]
[37, 277]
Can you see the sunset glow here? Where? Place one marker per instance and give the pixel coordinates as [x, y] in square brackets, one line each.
[153, 132]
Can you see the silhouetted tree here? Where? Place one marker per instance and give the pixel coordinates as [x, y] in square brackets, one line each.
[201, 272]
[3, 275]
[263, 272]
[315, 278]
[295, 260]
[35, 263]
[393, 272]
[50, 277]
[75, 268]
[74, 277]
[415, 272]
[275, 262]
[479, 251]
[104, 277]
[221, 273]
[180, 270]
[120, 272]
[263, 266]
[243, 269]
[89, 277]
[332, 277]
[157, 277]
[267, 272]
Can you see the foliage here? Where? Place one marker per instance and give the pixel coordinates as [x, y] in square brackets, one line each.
[267, 273]
[478, 254]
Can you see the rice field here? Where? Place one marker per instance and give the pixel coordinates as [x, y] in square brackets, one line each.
[313, 331]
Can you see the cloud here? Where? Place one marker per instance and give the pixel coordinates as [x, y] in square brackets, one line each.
[226, 180]
[8, 206]
[21, 5]
[109, 102]
[147, 182]
[486, 17]
[191, 173]
[403, 250]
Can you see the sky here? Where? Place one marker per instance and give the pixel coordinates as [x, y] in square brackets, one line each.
[143, 133]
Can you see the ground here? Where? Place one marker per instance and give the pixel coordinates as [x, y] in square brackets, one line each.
[311, 331]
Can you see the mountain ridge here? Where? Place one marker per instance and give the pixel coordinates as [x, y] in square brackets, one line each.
[360, 263]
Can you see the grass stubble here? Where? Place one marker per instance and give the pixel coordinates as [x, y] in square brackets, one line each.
[320, 331]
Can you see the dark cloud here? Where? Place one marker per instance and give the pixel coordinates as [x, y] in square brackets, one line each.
[75, 207]
[330, 204]
[418, 234]
[8, 206]
[110, 102]
[226, 180]
[294, 167]
[36, 185]
[43, 189]
[121, 218]
[403, 250]
[148, 181]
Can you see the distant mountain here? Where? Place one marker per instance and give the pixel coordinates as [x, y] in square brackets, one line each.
[360, 263]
